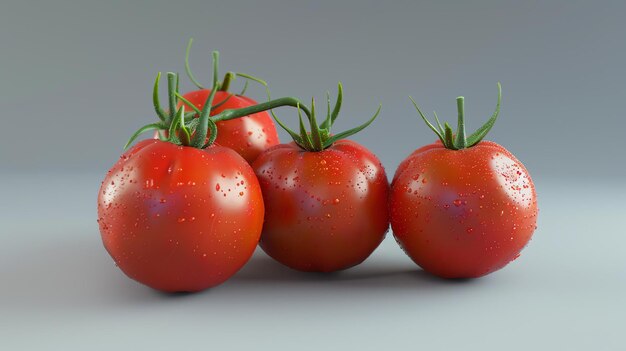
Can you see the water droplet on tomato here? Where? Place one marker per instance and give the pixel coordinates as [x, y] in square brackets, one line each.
[217, 187]
[149, 183]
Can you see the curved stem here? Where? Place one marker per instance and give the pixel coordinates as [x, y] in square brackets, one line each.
[264, 106]
[155, 100]
[188, 68]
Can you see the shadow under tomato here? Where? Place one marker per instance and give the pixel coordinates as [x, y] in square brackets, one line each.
[381, 274]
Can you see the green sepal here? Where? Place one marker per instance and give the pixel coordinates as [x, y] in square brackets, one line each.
[188, 103]
[188, 68]
[147, 127]
[437, 120]
[461, 140]
[155, 100]
[338, 103]
[319, 137]
[439, 133]
[252, 78]
[216, 106]
[295, 136]
[315, 129]
[333, 116]
[186, 136]
[245, 87]
[200, 135]
[481, 132]
[305, 137]
[212, 135]
[328, 121]
[448, 136]
[352, 131]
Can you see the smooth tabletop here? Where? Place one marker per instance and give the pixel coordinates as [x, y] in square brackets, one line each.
[61, 290]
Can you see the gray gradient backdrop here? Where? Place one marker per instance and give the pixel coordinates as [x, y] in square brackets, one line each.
[76, 79]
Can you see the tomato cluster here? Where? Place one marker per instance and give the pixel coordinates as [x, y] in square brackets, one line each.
[185, 211]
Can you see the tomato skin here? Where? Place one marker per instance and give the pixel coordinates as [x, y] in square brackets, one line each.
[326, 210]
[462, 213]
[179, 218]
[248, 136]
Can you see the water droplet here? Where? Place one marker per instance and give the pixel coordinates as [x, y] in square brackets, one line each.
[217, 187]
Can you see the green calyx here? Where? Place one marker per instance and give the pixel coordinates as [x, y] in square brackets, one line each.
[459, 140]
[319, 136]
[193, 128]
[182, 128]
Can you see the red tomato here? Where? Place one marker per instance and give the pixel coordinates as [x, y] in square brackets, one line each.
[325, 210]
[462, 213]
[249, 135]
[178, 218]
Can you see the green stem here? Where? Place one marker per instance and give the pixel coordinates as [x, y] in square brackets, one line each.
[264, 106]
[216, 62]
[461, 139]
[171, 93]
[228, 77]
[188, 68]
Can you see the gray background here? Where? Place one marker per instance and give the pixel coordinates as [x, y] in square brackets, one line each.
[76, 81]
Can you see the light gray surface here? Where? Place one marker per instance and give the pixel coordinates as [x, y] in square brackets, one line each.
[61, 291]
[76, 80]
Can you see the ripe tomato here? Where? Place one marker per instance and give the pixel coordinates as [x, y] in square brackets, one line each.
[178, 218]
[325, 210]
[249, 135]
[463, 213]
[460, 210]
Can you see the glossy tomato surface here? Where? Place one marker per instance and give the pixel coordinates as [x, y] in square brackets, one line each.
[179, 218]
[325, 210]
[462, 213]
[248, 136]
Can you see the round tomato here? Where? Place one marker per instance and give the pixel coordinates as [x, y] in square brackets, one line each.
[325, 210]
[462, 207]
[249, 135]
[178, 218]
[463, 213]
